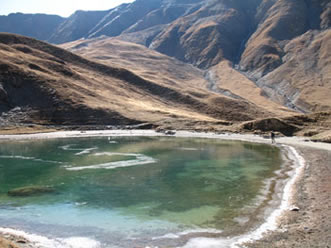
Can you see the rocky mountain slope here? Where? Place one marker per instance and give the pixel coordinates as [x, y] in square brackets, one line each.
[266, 40]
[232, 60]
[39, 26]
[221, 79]
[288, 55]
[44, 84]
[81, 22]
[156, 67]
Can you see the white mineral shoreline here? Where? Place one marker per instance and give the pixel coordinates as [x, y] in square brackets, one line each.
[296, 141]
[271, 221]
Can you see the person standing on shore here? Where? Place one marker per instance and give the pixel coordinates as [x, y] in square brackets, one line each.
[272, 135]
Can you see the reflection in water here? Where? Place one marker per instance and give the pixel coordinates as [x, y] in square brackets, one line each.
[134, 190]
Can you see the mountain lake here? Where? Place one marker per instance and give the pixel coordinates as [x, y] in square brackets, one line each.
[135, 191]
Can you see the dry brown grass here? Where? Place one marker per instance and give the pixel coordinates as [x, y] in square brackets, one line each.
[54, 86]
[307, 69]
[290, 60]
[146, 63]
[226, 78]
[69, 89]
[167, 71]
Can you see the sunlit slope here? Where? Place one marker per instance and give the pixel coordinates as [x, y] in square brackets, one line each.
[52, 85]
[147, 63]
[282, 46]
[221, 80]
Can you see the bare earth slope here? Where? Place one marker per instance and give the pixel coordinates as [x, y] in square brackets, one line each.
[221, 80]
[282, 46]
[44, 84]
[288, 56]
[145, 62]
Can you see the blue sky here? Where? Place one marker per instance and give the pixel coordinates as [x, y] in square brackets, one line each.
[59, 7]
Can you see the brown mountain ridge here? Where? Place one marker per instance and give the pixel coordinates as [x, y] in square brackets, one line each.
[265, 39]
[177, 62]
[48, 85]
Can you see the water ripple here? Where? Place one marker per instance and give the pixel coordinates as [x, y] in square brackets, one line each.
[140, 159]
[29, 158]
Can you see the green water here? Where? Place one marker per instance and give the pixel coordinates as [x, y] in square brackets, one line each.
[125, 191]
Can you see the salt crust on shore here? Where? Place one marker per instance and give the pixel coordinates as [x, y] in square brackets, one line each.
[300, 141]
[271, 222]
[43, 242]
[269, 225]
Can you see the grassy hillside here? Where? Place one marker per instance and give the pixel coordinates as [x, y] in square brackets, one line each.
[41, 83]
[281, 46]
[47, 85]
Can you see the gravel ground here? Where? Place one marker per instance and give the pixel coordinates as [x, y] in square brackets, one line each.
[310, 226]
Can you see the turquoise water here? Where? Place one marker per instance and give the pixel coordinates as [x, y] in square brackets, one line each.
[134, 191]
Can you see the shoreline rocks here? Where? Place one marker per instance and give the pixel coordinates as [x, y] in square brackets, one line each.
[30, 191]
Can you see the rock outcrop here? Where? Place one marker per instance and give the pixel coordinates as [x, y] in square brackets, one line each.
[288, 56]
[31, 191]
[76, 26]
[124, 18]
[271, 124]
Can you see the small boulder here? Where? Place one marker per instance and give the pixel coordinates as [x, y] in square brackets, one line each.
[170, 132]
[31, 191]
[294, 208]
[271, 124]
[21, 241]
